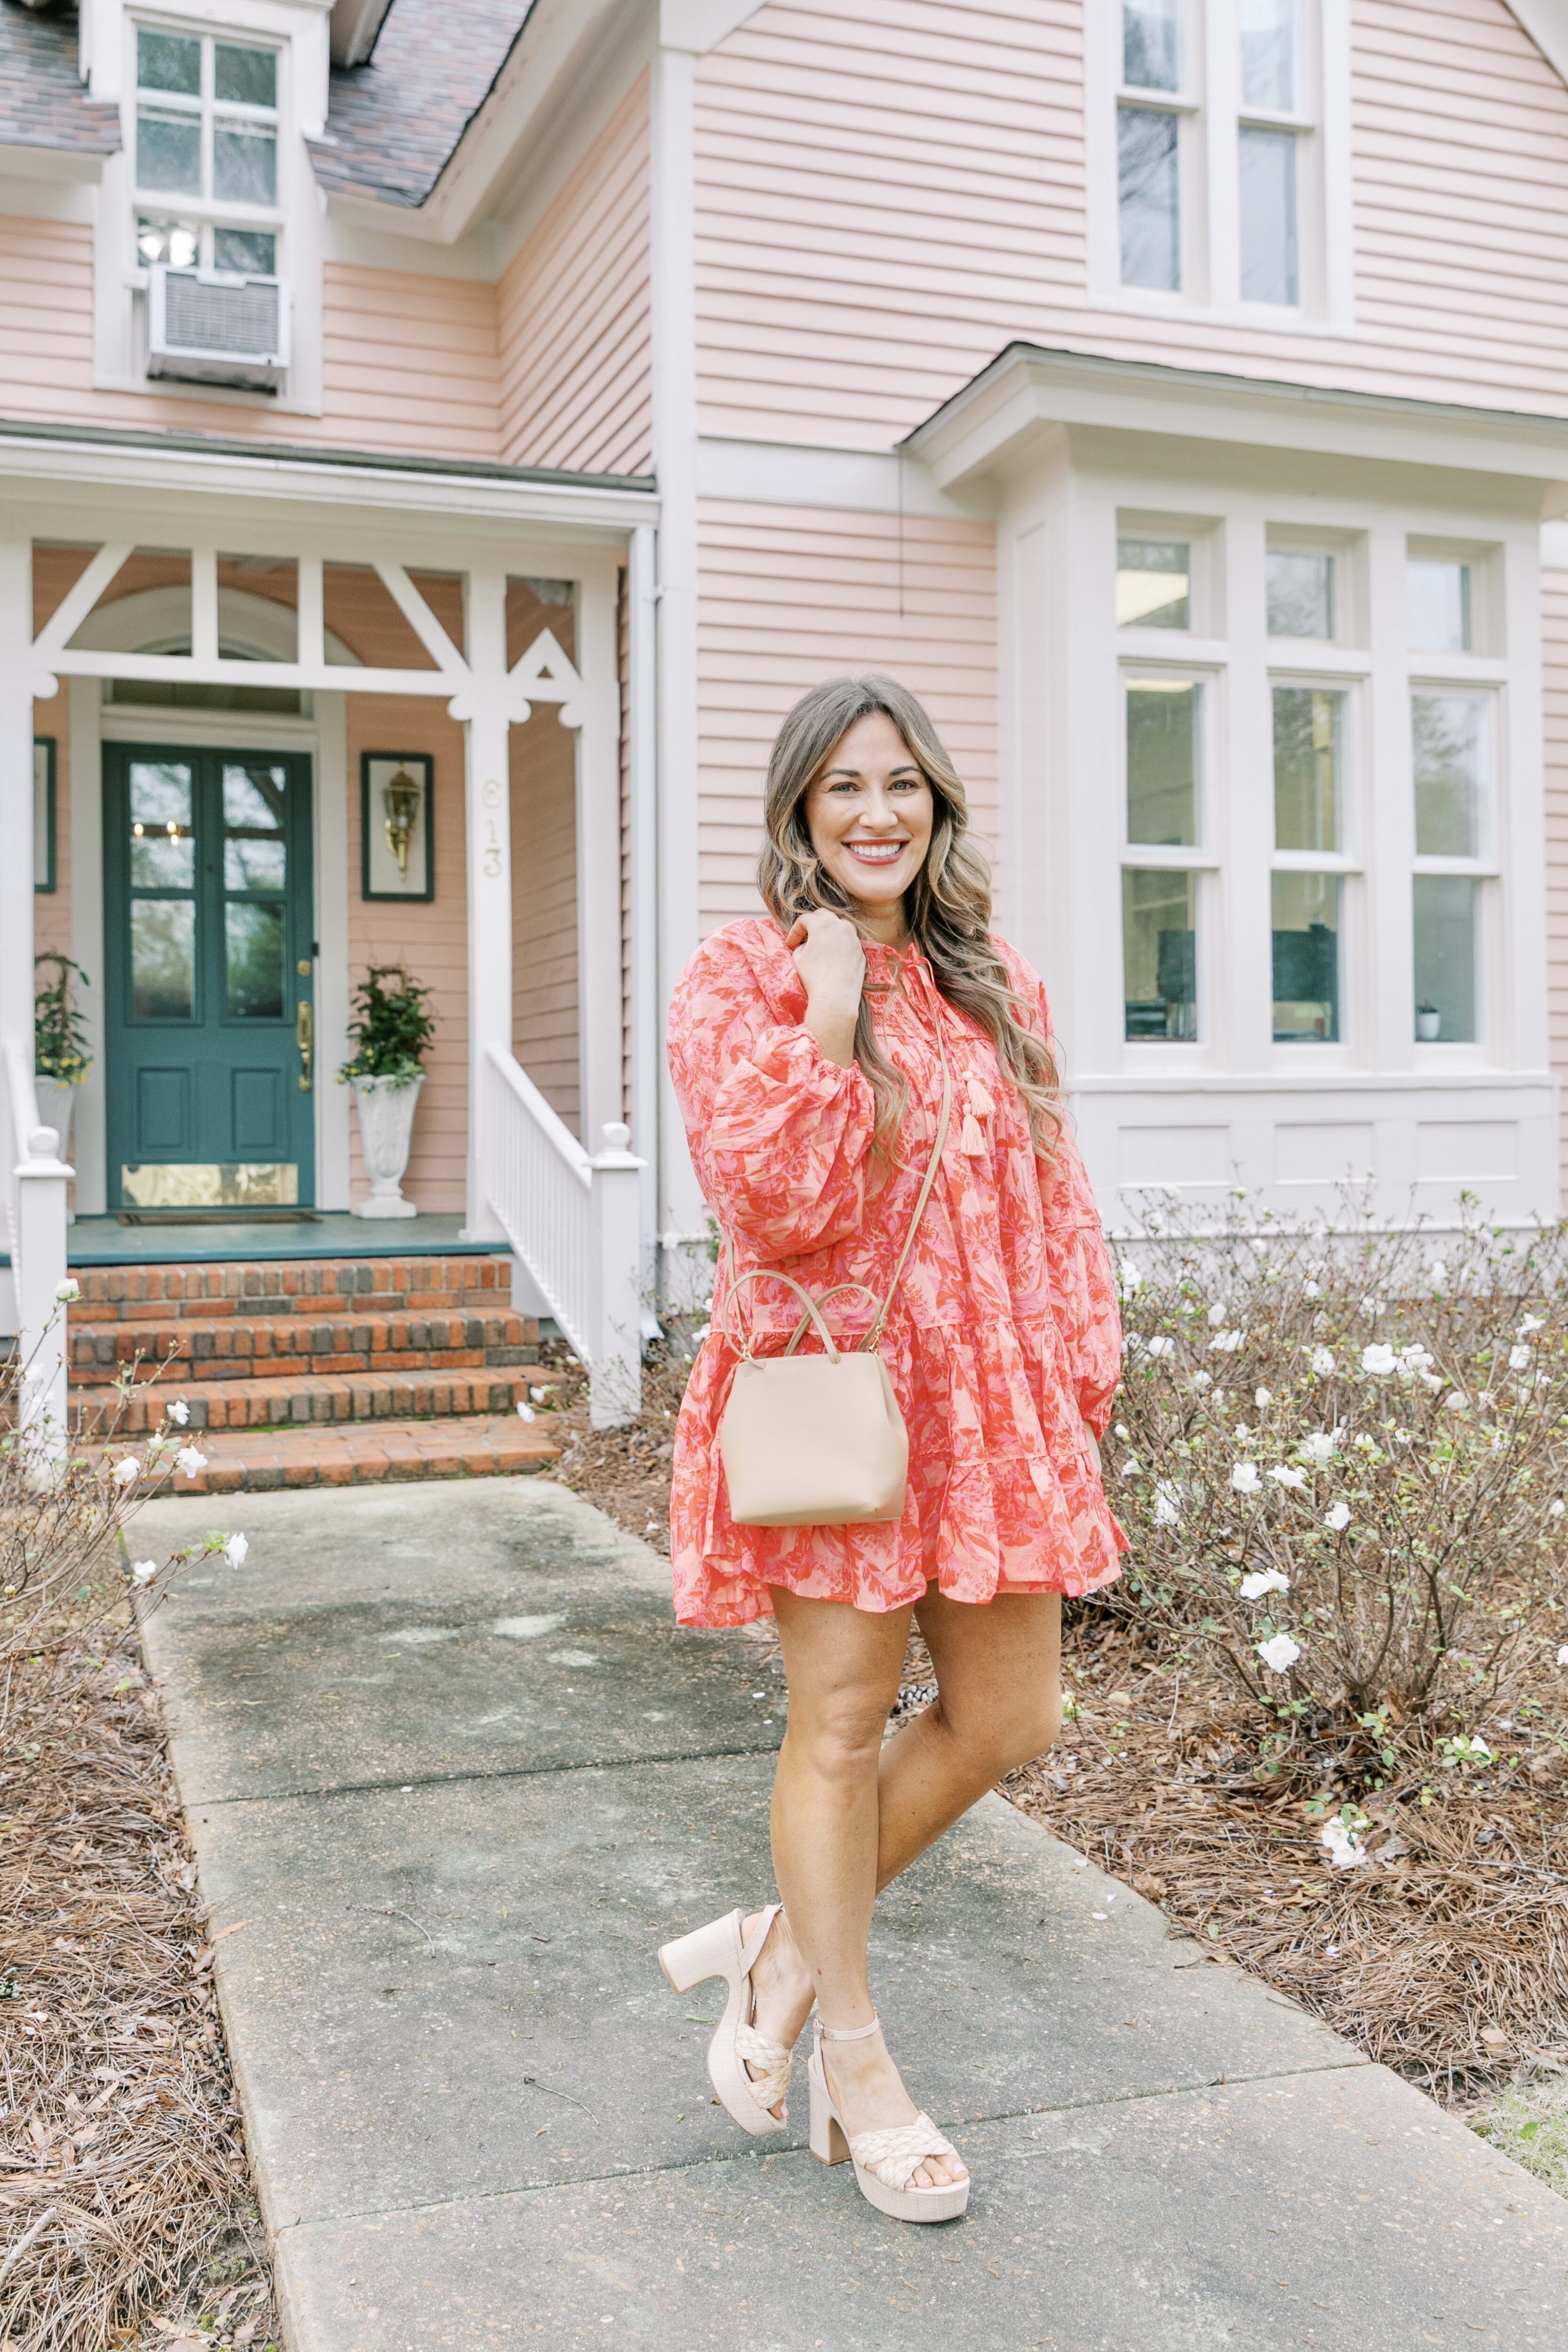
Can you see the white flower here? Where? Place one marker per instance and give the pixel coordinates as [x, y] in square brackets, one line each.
[1262, 1581]
[702, 1331]
[1279, 1653]
[1217, 1318]
[1160, 1347]
[1415, 1359]
[1203, 1380]
[1337, 1518]
[1242, 1430]
[1319, 1447]
[1518, 1360]
[1244, 1478]
[1557, 1509]
[126, 1472]
[1131, 1467]
[1122, 1432]
[1311, 1290]
[190, 1461]
[179, 1413]
[234, 1550]
[1563, 1656]
[143, 1571]
[1322, 1361]
[1379, 1360]
[1437, 1273]
[1530, 1323]
[1263, 1398]
[1433, 1381]
[1131, 1278]
[1457, 1401]
[1167, 1498]
[68, 1291]
[525, 1412]
[1344, 1850]
[1285, 1476]
[1228, 1342]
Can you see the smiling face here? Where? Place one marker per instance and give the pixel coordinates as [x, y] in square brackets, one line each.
[869, 813]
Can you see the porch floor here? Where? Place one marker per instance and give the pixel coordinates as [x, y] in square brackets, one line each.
[331, 1233]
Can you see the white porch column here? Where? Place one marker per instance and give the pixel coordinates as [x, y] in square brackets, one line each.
[485, 705]
[16, 682]
[642, 726]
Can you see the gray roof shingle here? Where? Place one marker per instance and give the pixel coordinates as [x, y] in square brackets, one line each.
[392, 124]
[43, 101]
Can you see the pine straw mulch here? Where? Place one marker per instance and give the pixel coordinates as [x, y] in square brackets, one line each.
[126, 2216]
[1444, 1955]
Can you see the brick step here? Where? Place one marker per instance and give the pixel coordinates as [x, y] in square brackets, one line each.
[367, 1454]
[311, 1285]
[311, 1401]
[270, 1348]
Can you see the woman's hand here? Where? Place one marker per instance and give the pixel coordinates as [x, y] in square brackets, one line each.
[831, 961]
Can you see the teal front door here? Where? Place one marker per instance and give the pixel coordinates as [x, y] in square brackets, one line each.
[209, 978]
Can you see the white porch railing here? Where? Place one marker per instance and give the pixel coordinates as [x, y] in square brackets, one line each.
[35, 1200]
[573, 1218]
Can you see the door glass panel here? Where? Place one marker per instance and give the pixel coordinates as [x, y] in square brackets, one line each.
[1153, 577]
[163, 958]
[255, 857]
[1309, 739]
[1306, 915]
[253, 959]
[1449, 752]
[1159, 953]
[1446, 957]
[1162, 761]
[162, 843]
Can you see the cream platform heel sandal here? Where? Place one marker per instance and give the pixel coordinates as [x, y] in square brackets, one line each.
[885, 2161]
[722, 1949]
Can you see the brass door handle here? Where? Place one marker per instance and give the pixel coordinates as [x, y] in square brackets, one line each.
[305, 1037]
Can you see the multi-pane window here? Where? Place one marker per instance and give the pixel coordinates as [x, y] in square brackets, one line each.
[206, 152]
[1437, 596]
[1310, 813]
[1164, 761]
[1153, 583]
[1300, 592]
[1449, 744]
[1220, 180]
[1148, 145]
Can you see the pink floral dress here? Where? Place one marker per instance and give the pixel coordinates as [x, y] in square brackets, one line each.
[1004, 1344]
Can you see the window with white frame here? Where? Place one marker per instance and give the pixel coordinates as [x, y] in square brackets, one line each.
[1219, 131]
[205, 151]
[1193, 792]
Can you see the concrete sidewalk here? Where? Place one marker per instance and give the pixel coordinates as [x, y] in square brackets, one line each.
[435, 1741]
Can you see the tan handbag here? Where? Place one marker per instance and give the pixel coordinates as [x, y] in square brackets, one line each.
[819, 1441]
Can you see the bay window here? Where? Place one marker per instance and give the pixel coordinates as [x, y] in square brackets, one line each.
[1164, 735]
[1449, 746]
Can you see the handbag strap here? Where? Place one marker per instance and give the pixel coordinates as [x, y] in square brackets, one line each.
[814, 1306]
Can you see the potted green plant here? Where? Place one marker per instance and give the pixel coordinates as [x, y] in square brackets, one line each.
[61, 1058]
[392, 1031]
[1428, 1021]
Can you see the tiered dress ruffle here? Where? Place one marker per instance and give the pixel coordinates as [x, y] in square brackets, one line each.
[1005, 1341]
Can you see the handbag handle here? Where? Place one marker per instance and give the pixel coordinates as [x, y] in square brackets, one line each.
[814, 1306]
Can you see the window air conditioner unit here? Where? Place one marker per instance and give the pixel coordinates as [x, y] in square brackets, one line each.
[204, 326]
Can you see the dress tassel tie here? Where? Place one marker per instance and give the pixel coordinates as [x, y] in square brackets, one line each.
[978, 1106]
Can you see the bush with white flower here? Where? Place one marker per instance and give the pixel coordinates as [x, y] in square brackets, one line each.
[1389, 1538]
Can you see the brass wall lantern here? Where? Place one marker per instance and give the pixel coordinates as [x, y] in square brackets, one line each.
[403, 797]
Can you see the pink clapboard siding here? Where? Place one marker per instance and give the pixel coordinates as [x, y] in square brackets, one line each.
[889, 191]
[575, 388]
[545, 910]
[790, 596]
[1554, 648]
[409, 361]
[429, 938]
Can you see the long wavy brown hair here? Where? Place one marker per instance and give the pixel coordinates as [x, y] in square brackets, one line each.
[947, 907]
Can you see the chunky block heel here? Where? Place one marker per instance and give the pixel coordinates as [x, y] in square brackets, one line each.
[720, 1949]
[828, 2143]
[885, 2162]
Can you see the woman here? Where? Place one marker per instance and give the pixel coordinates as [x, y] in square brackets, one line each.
[807, 1052]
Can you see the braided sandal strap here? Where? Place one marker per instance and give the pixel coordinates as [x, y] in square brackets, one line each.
[895, 2157]
[771, 2061]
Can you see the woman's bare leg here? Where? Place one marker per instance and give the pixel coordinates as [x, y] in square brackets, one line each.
[999, 1677]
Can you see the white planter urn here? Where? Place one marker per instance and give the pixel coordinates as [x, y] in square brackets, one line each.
[1427, 1025]
[56, 1100]
[385, 1128]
